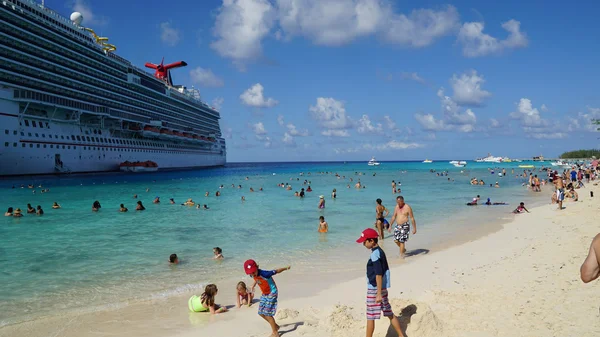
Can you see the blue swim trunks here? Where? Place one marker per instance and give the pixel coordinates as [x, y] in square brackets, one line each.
[268, 305]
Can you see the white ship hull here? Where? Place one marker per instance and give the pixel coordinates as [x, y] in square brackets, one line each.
[21, 154]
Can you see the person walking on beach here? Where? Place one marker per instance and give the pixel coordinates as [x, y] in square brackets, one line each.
[560, 191]
[268, 300]
[378, 282]
[380, 217]
[401, 214]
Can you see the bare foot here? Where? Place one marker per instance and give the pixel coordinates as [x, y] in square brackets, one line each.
[275, 334]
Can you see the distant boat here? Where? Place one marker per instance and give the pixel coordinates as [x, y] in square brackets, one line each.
[526, 166]
[427, 161]
[489, 159]
[373, 162]
[458, 163]
[560, 163]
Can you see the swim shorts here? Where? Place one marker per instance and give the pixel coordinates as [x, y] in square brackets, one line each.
[374, 309]
[560, 194]
[401, 232]
[268, 305]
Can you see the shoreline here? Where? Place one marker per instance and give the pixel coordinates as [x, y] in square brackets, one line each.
[522, 280]
[173, 314]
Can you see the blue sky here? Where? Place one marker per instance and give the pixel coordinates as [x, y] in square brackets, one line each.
[349, 79]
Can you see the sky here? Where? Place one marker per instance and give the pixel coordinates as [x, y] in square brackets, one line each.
[343, 80]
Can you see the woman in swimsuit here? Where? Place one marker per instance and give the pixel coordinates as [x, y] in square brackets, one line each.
[321, 202]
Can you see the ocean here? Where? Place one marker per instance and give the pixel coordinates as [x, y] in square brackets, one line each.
[74, 260]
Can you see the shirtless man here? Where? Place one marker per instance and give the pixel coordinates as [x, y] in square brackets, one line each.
[590, 269]
[560, 191]
[380, 217]
[393, 186]
[401, 214]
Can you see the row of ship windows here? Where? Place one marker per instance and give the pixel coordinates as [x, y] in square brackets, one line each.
[87, 148]
[157, 99]
[61, 38]
[102, 140]
[47, 126]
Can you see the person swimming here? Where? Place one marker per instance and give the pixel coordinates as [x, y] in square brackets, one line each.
[321, 202]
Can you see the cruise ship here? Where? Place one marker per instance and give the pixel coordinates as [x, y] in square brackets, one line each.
[69, 103]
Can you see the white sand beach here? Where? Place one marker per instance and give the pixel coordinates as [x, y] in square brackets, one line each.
[520, 281]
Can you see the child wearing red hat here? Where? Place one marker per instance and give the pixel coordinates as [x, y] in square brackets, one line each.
[268, 300]
[378, 281]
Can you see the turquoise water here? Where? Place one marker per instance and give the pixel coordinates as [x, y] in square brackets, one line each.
[76, 259]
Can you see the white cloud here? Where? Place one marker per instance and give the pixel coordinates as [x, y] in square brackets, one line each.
[453, 118]
[331, 114]
[335, 133]
[544, 108]
[476, 43]
[553, 135]
[585, 120]
[364, 125]
[169, 35]
[217, 103]
[388, 146]
[494, 123]
[280, 120]
[205, 77]
[254, 97]
[394, 145]
[528, 115]
[288, 140]
[259, 129]
[430, 123]
[295, 132]
[240, 27]
[389, 122]
[413, 77]
[267, 142]
[89, 18]
[467, 89]
[337, 22]
[422, 27]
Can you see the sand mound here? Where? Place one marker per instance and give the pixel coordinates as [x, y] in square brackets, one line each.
[417, 318]
[286, 313]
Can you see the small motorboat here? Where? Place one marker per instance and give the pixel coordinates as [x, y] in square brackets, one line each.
[427, 161]
[459, 163]
[373, 162]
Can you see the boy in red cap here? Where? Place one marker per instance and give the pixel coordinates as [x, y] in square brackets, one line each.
[378, 281]
[268, 300]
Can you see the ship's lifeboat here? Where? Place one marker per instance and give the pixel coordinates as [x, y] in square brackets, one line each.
[150, 131]
[166, 134]
[188, 137]
[178, 134]
[138, 166]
